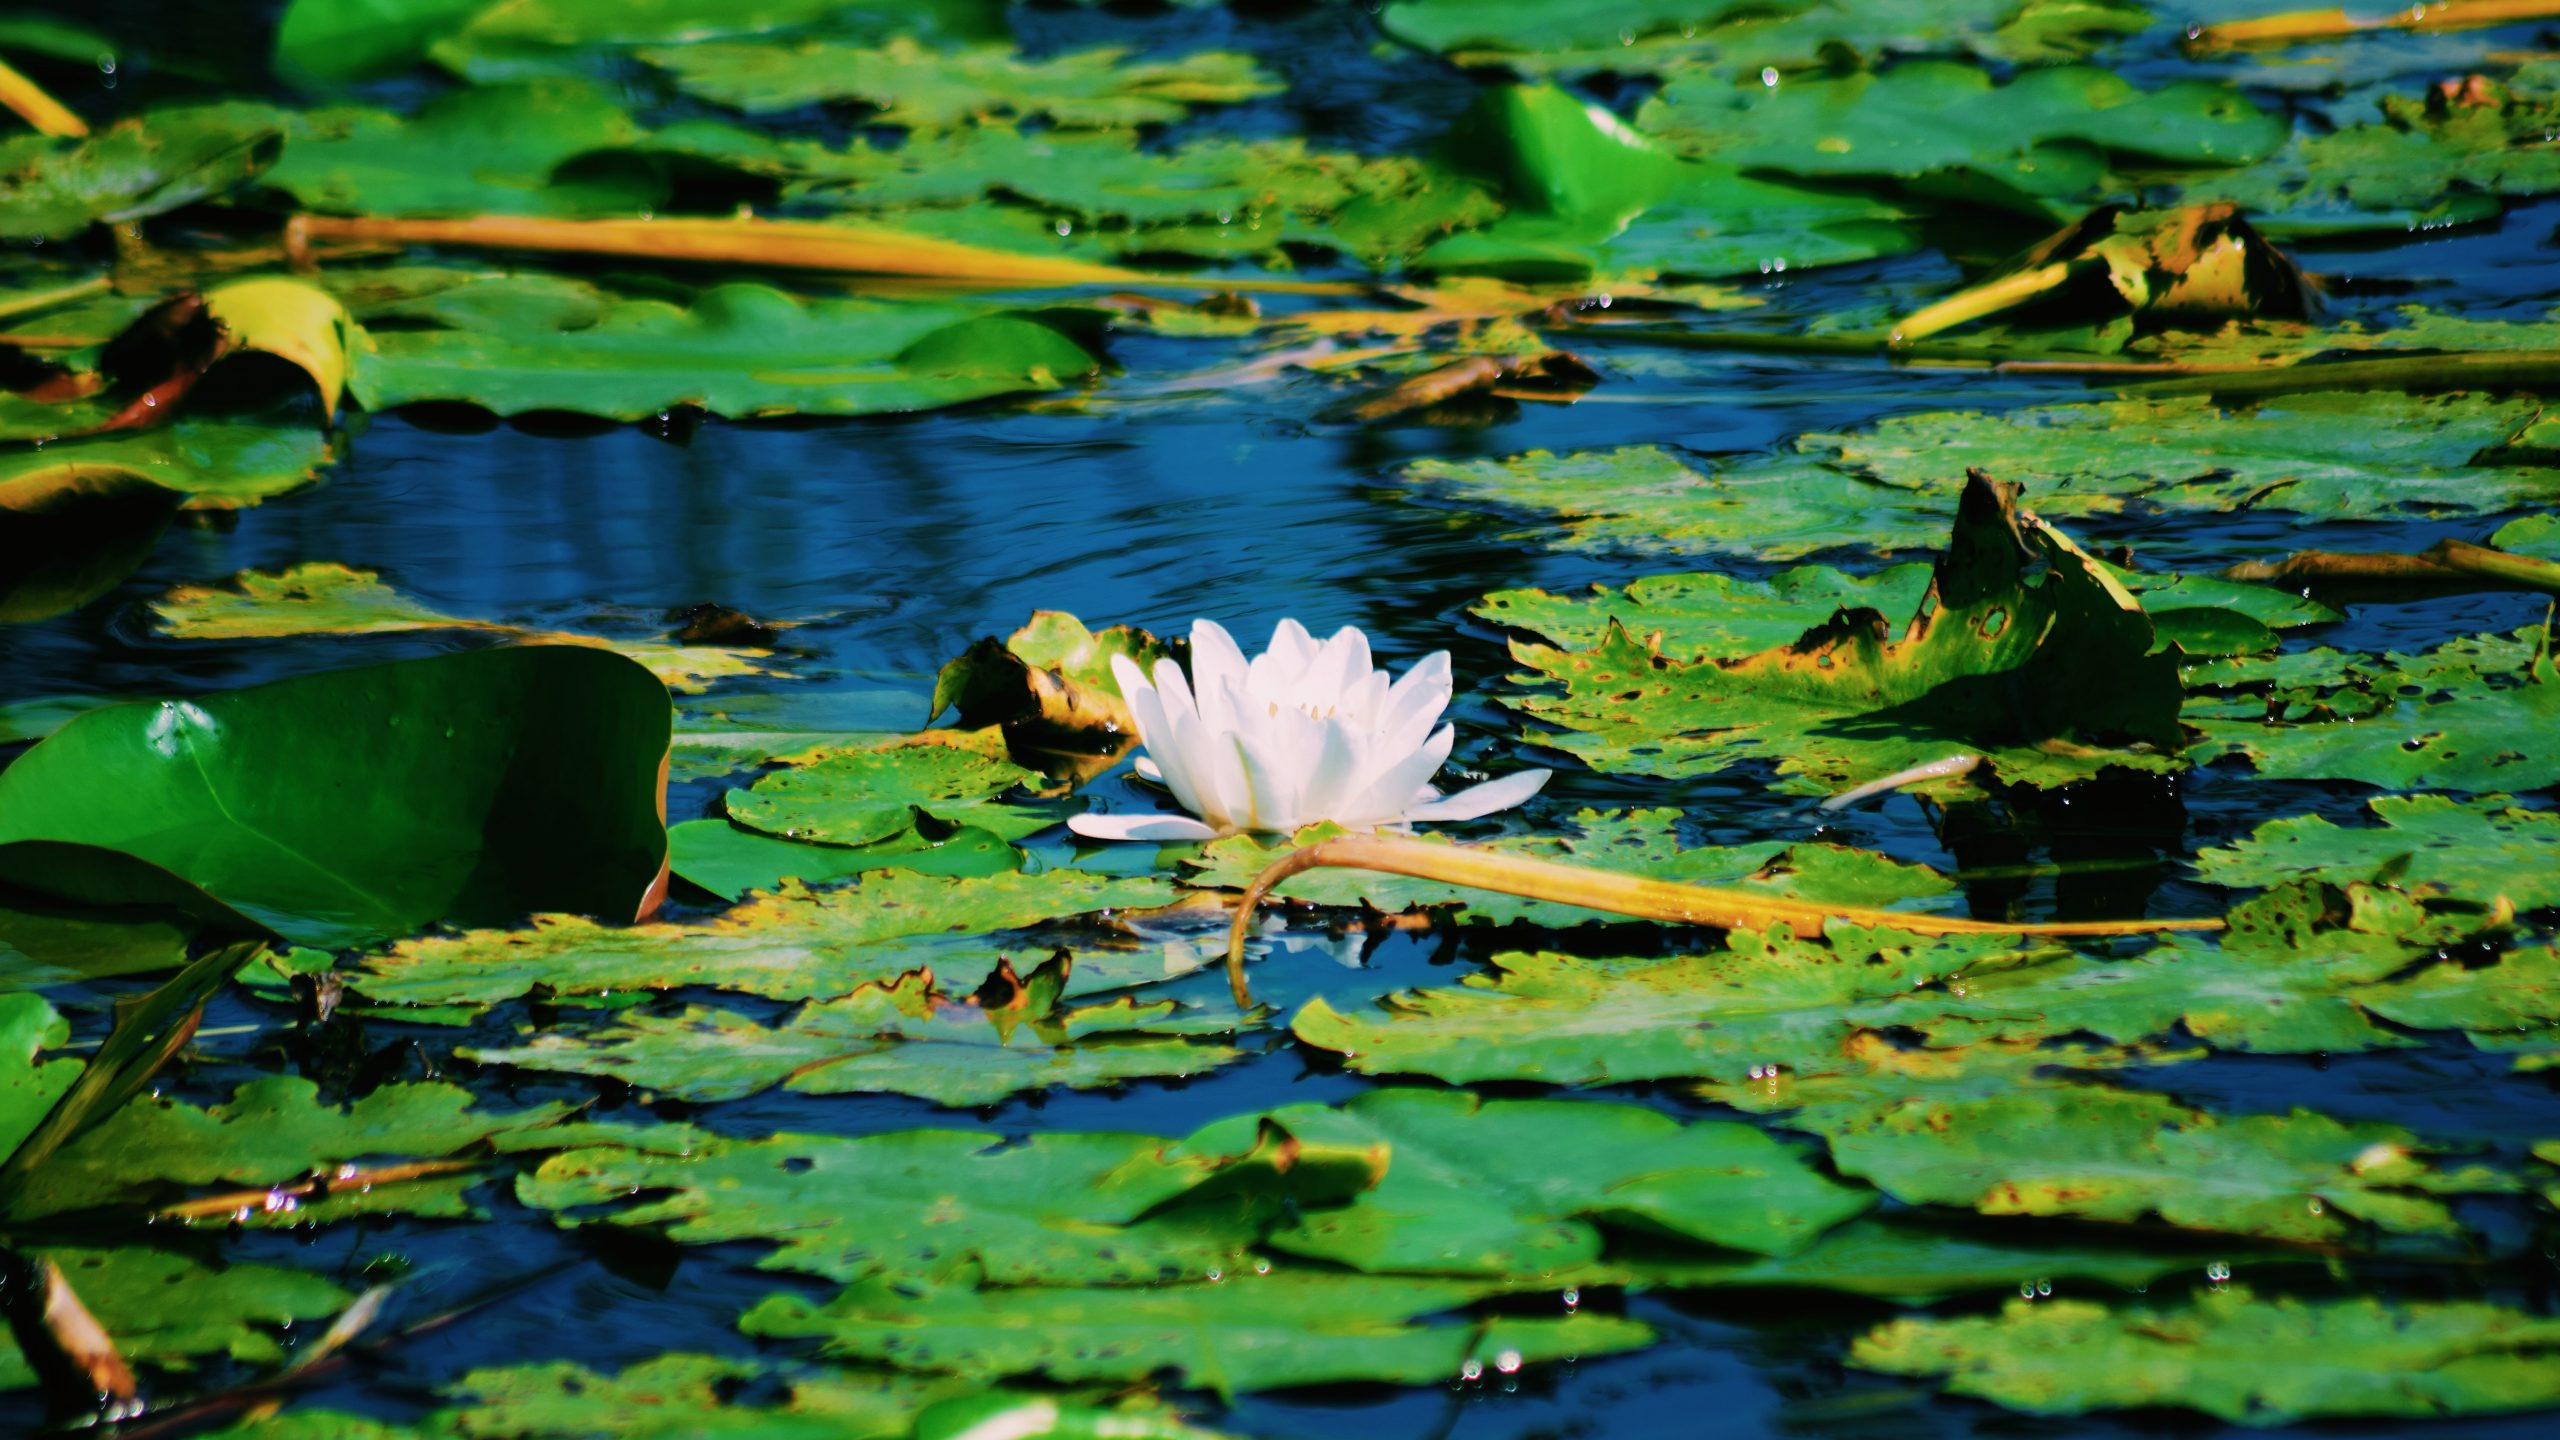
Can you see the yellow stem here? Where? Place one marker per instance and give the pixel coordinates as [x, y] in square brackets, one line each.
[1989, 298]
[27, 98]
[1633, 895]
[770, 244]
[2295, 27]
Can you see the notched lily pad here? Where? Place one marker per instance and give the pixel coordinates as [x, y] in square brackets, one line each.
[2480, 848]
[919, 87]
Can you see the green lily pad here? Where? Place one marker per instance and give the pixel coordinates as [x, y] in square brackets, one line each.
[2042, 139]
[1520, 1187]
[1590, 197]
[1559, 37]
[29, 1086]
[2535, 535]
[904, 1037]
[535, 37]
[1644, 498]
[342, 807]
[729, 861]
[861, 797]
[53, 189]
[272, 1130]
[1639, 842]
[1909, 1261]
[322, 598]
[2469, 715]
[2518, 996]
[43, 948]
[922, 88]
[739, 349]
[2121, 1155]
[2050, 679]
[1704, 613]
[2258, 1360]
[794, 944]
[1249, 1331]
[1060, 1208]
[2433, 161]
[2478, 848]
[171, 1311]
[1559, 1020]
[215, 464]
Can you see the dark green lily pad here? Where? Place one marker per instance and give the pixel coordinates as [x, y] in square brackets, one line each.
[2042, 139]
[342, 807]
[2478, 848]
[1060, 1208]
[794, 944]
[904, 1037]
[739, 349]
[2049, 678]
[272, 1130]
[2259, 1360]
[922, 88]
[43, 948]
[53, 189]
[171, 1311]
[29, 1085]
[1249, 1331]
[1910, 1260]
[729, 861]
[862, 797]
[1520, 1187]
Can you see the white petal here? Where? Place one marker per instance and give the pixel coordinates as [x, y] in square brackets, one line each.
[1271, 789]
[1335, 769]
[1133, 684]
[1139, 827]
[1419, 696]
[1483, 799]
[1386, 797]
[1148, 769]
[1216, 662]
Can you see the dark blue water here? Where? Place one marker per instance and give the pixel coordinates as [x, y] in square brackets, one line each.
[896, 542]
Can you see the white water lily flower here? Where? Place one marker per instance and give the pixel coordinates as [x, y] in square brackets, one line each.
[1305, 732]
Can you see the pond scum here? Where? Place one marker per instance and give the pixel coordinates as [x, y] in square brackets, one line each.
[377, 1059]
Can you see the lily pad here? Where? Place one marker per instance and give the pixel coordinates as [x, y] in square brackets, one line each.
[1558, 37]
[739, 349]
[1061, 1208]
[53, 189]
[171, 1311]
[794, 944]
[2049, 678]
[1910, 1260]
[861, 797]
[2120, 1155]
[41, 948]
[729, 860]
[904, 1037]
[1559, 1020]
[2259, 1360]
[2042, 139]
[1519, 1187]
[1250, 1331]
[339, 808]
[29, 1085]
[923, 88]
[212, 464]
[323, 598]
[271, 1130]
[2478, 848]
[1049, 684]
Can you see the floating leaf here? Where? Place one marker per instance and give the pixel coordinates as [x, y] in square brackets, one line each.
[1640, 842]
[323, 598]
[2042, 138]
[2468, 715]
[346, 806]
[2479, 848]
[211, 464]
[791, 945]
[1057, 1208]
[168, 1310]
[71, 532]
[1557, 1020]
[2194, 266]
[2035, 673]
[40, 949]
[53, 189]
[1248, 1332]
[904, 1037]
[1520, 1187]
[729, 860]
[2241, 1357]
[739, 349]
[1049, 684]
[271, 1130]
[1908, 1260]
[1564, 38]
[922, 88]
[2120, 1155]
[861, 797]
[30, 1086]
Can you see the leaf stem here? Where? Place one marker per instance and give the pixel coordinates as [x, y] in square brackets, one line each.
[1668, 901]
[33, 105]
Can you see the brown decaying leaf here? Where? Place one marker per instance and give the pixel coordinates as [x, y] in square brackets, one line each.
[2192, 263]
[1553, 375]
[76, 1361]
[2448, 567]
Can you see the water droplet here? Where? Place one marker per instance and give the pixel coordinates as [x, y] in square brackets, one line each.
[2316, 1207]
[1769, 76]
[151, 402]
[1508, 1362]
[1572, 1296]
[1471, 1370]
[106, 64]
[2043, 1288]
[1066, 228]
